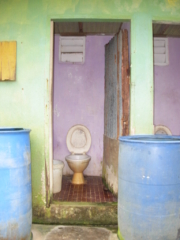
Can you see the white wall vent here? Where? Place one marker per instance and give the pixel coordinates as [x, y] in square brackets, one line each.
[161, 54]
[72, 49]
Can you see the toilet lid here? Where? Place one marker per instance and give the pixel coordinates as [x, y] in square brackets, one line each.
[78, 139]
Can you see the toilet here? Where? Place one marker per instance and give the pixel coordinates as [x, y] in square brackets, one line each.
[78, 142]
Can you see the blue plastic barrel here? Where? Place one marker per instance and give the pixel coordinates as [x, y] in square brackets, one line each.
[15, 184]
[149, 188]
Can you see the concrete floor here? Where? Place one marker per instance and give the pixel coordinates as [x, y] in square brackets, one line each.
[51, 232]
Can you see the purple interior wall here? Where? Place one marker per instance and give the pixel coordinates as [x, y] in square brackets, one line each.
[167, 90]
[79, 99]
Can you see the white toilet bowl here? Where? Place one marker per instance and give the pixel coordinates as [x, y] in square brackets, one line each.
[78, 142]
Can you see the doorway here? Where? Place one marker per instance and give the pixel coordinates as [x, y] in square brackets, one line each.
[80, 97]
[166, 78]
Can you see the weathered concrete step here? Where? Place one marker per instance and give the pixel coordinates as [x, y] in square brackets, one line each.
[77, 213]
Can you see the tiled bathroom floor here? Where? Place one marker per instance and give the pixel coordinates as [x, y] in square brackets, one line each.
[91, 192]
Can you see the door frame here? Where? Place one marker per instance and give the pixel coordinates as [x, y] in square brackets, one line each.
[51, 110]
[51, 90]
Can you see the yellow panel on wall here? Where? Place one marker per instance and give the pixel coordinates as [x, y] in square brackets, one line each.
[8, 60]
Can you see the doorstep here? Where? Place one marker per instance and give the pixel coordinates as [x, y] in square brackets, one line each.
[77, 213]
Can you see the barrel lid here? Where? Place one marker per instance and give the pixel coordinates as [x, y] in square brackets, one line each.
[13, 130]
[150, 139]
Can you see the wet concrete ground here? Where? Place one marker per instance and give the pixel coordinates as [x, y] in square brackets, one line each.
[50, 232]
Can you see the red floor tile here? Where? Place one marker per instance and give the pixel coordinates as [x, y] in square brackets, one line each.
[91, 192]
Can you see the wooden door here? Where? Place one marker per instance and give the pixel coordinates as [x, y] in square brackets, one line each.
[116, 105]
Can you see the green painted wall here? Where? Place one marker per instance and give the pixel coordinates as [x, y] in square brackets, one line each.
[25, 102]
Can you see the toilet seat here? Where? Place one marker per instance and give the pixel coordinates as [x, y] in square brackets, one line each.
[78, 139]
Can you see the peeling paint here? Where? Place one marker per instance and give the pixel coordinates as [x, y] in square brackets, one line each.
[47, 84]
[172, 6]
[173, 2]
[129, 6]
[69, 6]
[43, 185]
[56, 112]
[110, 163]
[47, 185]
[111, 179]
[132, 131]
